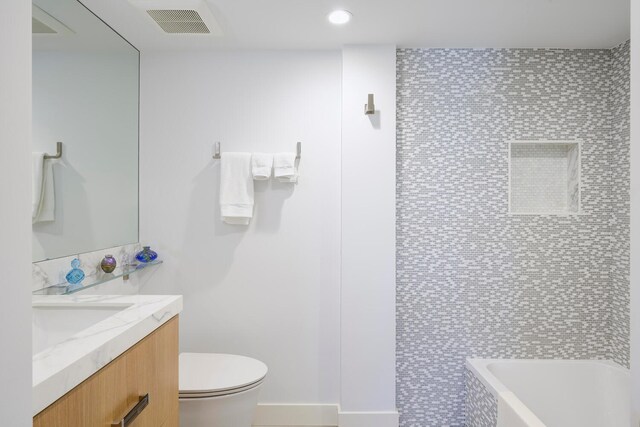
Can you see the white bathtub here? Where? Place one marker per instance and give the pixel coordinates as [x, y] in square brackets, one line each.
[556, 393]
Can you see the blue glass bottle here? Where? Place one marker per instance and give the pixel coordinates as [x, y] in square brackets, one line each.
[146, 254]
[75, 276]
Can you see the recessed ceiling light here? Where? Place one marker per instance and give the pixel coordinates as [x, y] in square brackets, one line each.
[340, 17]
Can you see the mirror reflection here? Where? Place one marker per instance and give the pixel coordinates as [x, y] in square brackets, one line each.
[85, 95]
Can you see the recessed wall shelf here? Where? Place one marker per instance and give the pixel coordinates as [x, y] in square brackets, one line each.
[544, 177]
[99, 279]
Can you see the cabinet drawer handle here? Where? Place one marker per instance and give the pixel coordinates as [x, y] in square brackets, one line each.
[134, 412]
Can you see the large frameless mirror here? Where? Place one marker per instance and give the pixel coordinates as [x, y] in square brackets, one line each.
[85, 95]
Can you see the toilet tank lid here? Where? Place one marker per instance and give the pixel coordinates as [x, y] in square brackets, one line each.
[208, 372]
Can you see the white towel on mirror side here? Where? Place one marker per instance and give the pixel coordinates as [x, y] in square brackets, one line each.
[236, 188]
[284, 167]
[261, 165]
[43, 199]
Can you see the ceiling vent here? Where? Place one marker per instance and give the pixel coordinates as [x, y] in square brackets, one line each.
[181, 16]
[44, 24]
[179, 21]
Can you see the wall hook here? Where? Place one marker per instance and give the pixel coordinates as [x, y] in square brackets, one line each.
[58, 152]
[369, 107]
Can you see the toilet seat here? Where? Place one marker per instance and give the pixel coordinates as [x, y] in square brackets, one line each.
[205, 395]
[206, 375]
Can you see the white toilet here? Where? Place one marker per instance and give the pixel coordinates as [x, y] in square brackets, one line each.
[219, 390]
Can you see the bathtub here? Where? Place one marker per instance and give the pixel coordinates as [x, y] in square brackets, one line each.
[551, 393]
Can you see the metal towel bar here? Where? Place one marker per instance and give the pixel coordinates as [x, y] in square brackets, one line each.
[216, 154]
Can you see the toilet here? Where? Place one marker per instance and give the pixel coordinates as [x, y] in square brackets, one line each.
[219, 390]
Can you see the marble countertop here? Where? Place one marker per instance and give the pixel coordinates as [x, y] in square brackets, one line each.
[61, 367]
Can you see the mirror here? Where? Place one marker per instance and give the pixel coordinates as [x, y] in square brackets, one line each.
[85, 95]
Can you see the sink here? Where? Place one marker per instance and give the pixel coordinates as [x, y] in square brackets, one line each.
[55, 323]
[74, 336]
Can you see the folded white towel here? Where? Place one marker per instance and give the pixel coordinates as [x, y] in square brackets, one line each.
[284, 167]
[37, 174]
[261, 165]
[43, 200]
[236, 188]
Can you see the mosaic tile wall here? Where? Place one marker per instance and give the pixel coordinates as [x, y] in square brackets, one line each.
[473, 281]
[481, 405]
[620, 190]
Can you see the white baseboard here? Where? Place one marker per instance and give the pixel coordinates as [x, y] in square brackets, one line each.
[299, 415]
[296, 415]
[368, 419]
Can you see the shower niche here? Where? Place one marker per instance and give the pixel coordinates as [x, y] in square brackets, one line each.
[544, 177]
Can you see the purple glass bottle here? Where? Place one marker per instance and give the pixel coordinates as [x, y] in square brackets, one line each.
[108, 264]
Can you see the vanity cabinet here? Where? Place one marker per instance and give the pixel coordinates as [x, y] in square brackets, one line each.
[150, 368]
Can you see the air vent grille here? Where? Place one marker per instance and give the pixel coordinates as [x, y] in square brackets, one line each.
[167, 15]
[179, 21]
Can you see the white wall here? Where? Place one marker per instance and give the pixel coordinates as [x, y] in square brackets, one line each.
[89, 101]
[635, 205]
[368, 238]
[270, 290]
[15, 205]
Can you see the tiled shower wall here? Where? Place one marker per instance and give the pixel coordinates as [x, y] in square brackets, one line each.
[474, 281]
[620, 203]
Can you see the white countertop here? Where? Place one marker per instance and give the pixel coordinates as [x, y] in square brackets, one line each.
[61, 367]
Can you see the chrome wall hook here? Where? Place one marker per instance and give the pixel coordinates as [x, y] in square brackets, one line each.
[58, 152]
[369, 107]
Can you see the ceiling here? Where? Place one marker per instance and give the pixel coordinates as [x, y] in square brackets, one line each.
[302, 24]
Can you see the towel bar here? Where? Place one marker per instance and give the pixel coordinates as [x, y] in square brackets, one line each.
[216, 154]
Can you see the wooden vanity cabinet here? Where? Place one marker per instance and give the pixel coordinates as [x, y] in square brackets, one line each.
[102, 400]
